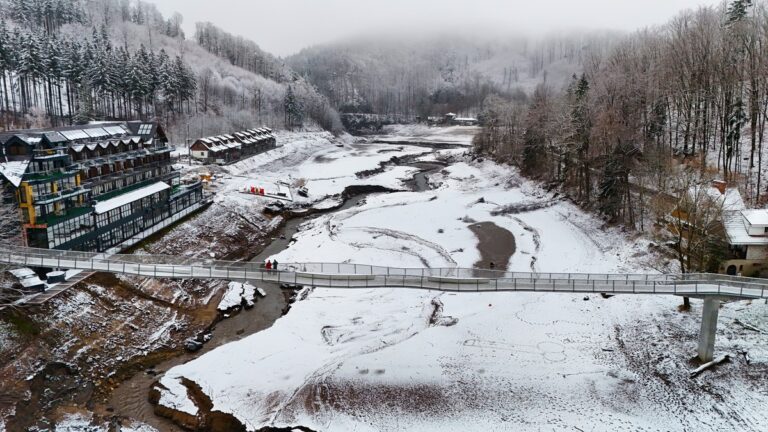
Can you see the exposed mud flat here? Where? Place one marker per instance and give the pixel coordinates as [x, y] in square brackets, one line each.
[496, 245]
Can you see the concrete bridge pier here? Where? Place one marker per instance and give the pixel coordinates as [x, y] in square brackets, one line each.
[708, 328]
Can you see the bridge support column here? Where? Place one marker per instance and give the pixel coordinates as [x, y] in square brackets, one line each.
[708, 328]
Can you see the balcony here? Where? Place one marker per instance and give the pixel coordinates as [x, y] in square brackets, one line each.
[106, 178]
[119, 191]
[50, 176]
[42, 155]
[183, 189]
[61, 195]
[160, 150]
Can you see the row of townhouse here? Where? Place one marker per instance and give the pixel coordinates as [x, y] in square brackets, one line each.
[93, 187]
[224, 149]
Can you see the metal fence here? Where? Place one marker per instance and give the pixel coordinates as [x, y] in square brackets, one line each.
[346, 275]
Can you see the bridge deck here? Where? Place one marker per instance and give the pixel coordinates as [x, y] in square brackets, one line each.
[339, 275]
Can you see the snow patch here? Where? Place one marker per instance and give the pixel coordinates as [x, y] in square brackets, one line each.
[236, 295]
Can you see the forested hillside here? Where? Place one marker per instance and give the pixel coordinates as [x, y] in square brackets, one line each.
[68, 61]
[301, 98]
[665, 110]
[420, 75]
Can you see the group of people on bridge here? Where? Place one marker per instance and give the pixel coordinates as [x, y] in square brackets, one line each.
[271, 265]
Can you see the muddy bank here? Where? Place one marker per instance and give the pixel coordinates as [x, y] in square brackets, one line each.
[207, 418]
[420, 180]
[496, 245]
[393, 161]
[434, 145]
[131, 398]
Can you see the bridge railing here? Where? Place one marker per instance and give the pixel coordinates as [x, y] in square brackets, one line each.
[341, 274]
[465, 273]
[30, 255]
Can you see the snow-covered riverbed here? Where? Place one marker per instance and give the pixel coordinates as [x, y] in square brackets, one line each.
[396, 359]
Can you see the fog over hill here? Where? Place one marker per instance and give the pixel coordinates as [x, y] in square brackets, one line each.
[433, 74]
[286, 27]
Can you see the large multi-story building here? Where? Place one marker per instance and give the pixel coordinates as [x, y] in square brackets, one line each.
[96, 186]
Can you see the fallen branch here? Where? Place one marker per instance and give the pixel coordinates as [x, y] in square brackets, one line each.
[747, 358]
[748, 326]
[705, 366]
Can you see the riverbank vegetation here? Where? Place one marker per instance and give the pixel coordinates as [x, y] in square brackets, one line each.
[686, 100]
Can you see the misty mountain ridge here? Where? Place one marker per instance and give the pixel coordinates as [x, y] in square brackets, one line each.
[431, 73]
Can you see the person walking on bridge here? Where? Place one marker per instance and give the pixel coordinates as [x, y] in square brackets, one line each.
[269, 265]
[274, 264]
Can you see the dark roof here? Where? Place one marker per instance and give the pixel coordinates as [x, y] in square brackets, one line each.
[40, 131]
[147, 130]
[54, 137]
[20, 139]
[5, 136]
[63, 134]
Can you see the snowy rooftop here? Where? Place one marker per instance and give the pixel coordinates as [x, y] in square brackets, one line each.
[13, 171]
[736, 229]
[22, 273]
[730, 200]
[121, 200]
[756, 217]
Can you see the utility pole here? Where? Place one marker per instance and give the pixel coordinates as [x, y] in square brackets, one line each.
[189, 154]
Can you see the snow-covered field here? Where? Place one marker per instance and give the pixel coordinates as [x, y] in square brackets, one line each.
[409, 229]
[421, 133]
[322, 163]
[82, 423]
[396, 359]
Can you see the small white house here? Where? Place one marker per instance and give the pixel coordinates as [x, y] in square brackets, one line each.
[747, 233]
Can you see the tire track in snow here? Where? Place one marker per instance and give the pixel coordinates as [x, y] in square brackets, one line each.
[400, 235]
[536, 241]
[317, 379]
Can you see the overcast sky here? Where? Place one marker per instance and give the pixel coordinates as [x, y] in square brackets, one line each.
[284, 27]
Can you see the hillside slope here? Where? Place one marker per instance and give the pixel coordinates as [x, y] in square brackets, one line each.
[428, 75]
[102, 59]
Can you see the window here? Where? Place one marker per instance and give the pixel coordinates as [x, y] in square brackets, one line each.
[145, 129]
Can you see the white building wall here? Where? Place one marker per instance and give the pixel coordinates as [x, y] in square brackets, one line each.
[757, 252]
[199, 154]
[755, 230]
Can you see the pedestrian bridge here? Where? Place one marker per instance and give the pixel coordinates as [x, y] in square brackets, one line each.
[343, 275]
[713, 288]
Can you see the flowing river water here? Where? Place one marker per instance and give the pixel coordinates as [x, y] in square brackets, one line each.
[130, 398]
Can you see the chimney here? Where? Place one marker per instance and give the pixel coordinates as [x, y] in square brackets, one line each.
[719, 185]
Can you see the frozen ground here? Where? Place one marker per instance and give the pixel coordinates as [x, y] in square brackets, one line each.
[323, 164]
[83, 423]
[390, 359]
[423, 134]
